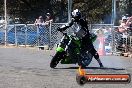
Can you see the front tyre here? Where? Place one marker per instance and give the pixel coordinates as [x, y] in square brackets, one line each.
[55, 60]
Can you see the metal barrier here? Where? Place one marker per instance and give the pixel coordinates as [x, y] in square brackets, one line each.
[122, 41]
[106, 28]
[25, 34]
[21, 34]
[31, 35]
[2, 33]
[115, 41]
[56, 36]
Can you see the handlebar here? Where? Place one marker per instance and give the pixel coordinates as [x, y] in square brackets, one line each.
[62, 31]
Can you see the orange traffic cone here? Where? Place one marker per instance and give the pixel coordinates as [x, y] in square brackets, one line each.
[101, 46]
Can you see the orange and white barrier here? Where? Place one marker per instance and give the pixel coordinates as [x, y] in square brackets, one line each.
[101, 48]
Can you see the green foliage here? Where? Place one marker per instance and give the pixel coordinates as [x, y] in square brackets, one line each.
[94, 10]
[29, 10]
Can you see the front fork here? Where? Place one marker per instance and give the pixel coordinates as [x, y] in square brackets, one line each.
[67, 46]
[73, 51]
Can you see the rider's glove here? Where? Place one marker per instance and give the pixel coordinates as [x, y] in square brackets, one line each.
[59, 29]
[62, 28]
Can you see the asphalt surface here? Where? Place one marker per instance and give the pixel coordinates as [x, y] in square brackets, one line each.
[29, 68]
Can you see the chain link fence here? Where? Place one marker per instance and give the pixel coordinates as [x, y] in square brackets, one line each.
[122, 41]
[105, 31]
[2, 33]
[55, 35]
[25, 34]
[115, 42]
[21, 34]
[31, 35]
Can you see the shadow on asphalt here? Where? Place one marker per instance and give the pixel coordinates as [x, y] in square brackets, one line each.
[104, 68]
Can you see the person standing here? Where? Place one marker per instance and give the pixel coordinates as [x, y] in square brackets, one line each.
[39, 22]
[48, 21]
[129, 23]
[123, 25]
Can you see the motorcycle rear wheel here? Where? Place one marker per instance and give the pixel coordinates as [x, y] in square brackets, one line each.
[85, 59]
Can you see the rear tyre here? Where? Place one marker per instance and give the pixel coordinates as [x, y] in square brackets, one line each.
[85, 59]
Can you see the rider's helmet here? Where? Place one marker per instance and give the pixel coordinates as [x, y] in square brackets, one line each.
[48, 14]
[76, 14]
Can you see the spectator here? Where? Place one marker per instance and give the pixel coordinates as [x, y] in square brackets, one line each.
[48, 19]
[41, 30]
[39, 21]
[124, 32]
[123, 26]
[2, 21]
[129, 23]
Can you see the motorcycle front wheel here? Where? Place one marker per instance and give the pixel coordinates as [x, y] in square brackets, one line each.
[56, 58]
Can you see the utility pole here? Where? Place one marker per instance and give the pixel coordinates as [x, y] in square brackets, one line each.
[5, 22]
[113, 18]
[69, 9]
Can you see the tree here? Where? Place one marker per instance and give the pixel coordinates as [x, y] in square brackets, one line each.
[29, 10]
[94, 10]
[129, 7]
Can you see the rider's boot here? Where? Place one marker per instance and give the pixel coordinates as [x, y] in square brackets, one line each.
[96, 56]
[101, 65]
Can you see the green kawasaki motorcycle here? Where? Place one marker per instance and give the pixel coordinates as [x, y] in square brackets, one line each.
[68, 50]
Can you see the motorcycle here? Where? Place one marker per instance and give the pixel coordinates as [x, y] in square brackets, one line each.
[68, 50]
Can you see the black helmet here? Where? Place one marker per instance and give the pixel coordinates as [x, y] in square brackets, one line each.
[76, 14]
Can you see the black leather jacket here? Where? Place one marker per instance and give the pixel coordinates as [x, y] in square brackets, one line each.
[81, 29]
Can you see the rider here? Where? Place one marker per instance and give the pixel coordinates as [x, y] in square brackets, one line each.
[82, 32]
